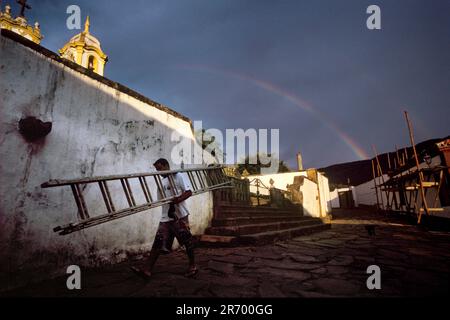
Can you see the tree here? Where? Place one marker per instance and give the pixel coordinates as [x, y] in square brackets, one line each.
[254, 168]
[207, 140]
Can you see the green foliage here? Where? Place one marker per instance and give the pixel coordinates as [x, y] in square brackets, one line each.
[254, 168]
[205, 140]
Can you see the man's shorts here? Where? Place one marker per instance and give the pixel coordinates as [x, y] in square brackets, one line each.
[167, 231]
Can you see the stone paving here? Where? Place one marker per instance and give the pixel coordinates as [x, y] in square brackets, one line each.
[333, 263]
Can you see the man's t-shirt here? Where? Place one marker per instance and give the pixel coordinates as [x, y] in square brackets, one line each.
[180, 209]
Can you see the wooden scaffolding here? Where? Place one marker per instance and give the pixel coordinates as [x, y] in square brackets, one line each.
[409, 190]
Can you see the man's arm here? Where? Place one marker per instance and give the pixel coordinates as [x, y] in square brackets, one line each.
[186, 194]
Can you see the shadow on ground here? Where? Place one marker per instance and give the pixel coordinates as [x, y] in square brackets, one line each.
[413, 261]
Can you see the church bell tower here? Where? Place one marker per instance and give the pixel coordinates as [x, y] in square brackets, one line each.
[85, 50]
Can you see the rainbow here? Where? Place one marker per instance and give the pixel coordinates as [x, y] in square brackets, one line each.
[351, 143]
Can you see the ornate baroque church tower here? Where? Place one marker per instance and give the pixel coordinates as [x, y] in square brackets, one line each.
[19, 24]
[84, 49]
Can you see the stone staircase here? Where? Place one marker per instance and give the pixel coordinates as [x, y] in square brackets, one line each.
[250, 225]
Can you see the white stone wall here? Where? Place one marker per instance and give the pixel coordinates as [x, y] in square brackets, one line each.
[310, 198]
[325, 196]
[334, 196]
[366, 195]
[97, 130]
[334, 199]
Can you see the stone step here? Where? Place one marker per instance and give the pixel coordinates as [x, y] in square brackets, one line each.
[231, 209]
[272, 236]
[207, 240]
[237, 221]
[255, 212]
[259, 227]
[260, 238]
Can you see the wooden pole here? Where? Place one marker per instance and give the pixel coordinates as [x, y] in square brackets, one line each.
[389, 161]
[375, 182]
[422, 192]
[378, 163]
[381, 174]
[398, 157]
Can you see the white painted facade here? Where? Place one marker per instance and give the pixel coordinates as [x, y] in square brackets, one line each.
[316, 197]
[324, 192]
[97, 130]
[334, 199]
[334, 195]
[365, 192]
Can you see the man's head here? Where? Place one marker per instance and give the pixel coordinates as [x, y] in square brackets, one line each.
[161, 164]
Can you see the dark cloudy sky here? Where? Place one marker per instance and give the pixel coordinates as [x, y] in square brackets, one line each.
[310, 68]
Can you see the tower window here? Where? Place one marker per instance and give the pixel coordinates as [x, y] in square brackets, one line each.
[91, 63]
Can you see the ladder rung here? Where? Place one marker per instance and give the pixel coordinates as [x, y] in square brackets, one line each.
[159, 186]
[79, 200]
[128, 192]
[106, 196]
[145, 189]
[200, 180]
[192, 181]
[173, 185]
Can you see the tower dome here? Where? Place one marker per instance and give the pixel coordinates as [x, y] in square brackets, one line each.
[85, 50]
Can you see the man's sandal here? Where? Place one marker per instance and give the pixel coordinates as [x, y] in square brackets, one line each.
[191, 273]
[141, 273]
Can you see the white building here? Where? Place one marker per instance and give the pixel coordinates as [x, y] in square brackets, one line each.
[314, 189]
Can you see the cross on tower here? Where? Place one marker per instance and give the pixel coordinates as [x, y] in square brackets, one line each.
[24, 6]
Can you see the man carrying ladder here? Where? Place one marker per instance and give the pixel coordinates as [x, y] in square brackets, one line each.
[174, 221]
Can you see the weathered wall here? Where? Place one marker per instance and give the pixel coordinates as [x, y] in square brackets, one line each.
[97, 130]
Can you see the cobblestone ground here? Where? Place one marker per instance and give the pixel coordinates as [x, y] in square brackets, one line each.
[413, 262]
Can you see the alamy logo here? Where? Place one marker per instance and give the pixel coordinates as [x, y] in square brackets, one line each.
[74, 20]
[74, 280]
[237, 146]
[374, 20]
[374, 281]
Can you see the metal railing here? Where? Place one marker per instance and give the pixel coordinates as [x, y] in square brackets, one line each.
[238, 194]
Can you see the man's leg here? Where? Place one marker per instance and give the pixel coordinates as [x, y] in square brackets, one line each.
[185, 238]
[191, 257]
[163, 238]
[154, 254]
[162, 244]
